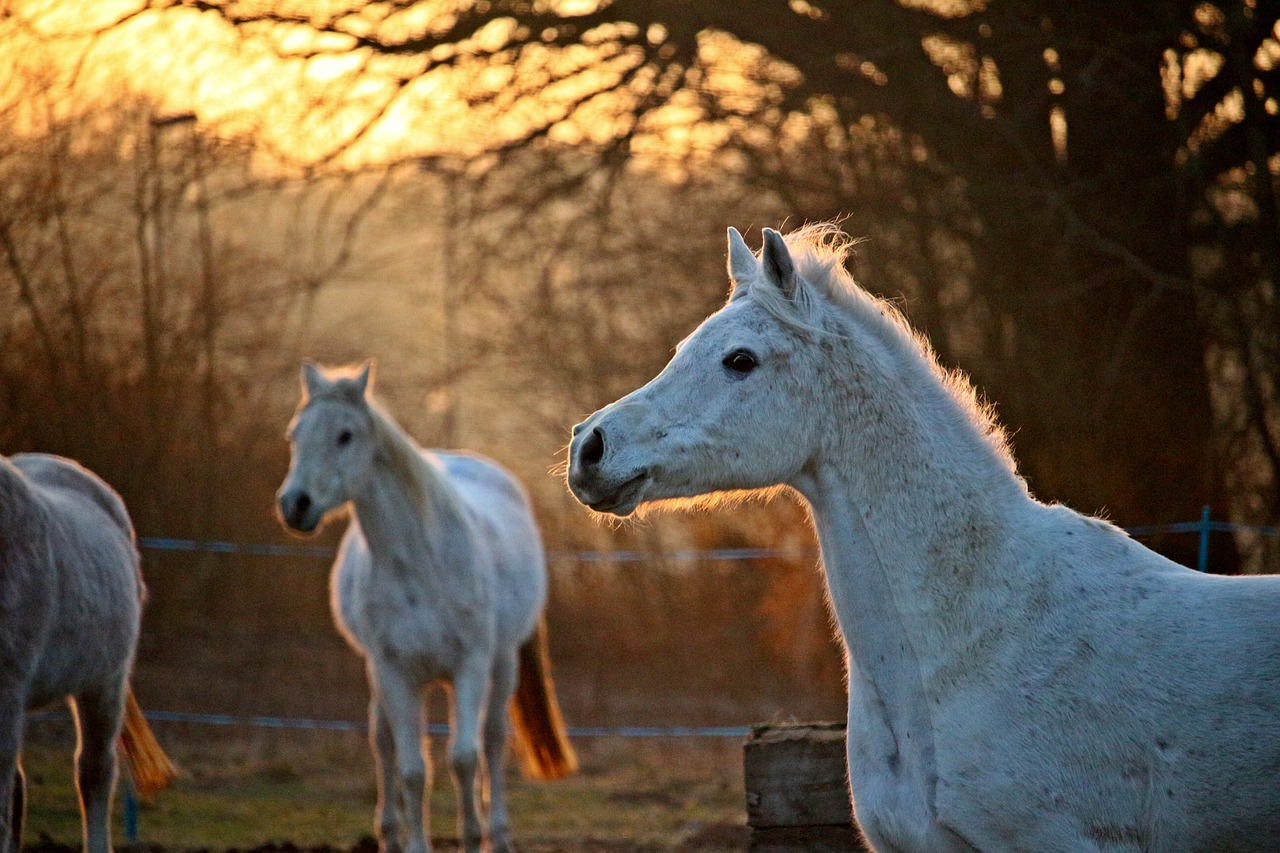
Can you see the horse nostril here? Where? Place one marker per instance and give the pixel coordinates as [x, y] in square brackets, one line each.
[592, 450]
[303, 504]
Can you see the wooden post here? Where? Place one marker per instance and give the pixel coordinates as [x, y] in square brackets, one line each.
[797, 784]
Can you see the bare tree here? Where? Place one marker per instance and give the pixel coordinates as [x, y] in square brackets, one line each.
[140, 311]
[1072, 189]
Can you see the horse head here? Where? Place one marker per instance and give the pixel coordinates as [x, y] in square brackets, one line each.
[721, 416]
[332, 445]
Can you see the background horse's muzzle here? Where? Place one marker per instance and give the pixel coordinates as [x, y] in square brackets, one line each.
[297, 511]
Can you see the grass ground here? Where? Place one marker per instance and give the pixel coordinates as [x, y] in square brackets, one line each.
[316, 788]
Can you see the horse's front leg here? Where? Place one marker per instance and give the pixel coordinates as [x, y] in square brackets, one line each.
[98, 717]
[470, 691]
[400, 702]
[389, 813]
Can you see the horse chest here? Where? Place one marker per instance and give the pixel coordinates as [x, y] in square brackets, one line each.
[409, 626]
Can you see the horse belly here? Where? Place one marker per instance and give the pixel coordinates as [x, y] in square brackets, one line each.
[69, 665]
[94, 634]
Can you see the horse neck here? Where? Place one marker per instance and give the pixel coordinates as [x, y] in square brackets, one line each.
[409, 513]
[911, 503]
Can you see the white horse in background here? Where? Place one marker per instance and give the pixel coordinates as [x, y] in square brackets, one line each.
[440, 578]
[1021, 677]
[70, 607]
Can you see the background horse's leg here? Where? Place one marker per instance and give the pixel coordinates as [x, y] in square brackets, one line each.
[12, 720]
[505, 672]
[390, 810]
[98, 716]
[18, 814]
[401, 703]
[470, 690]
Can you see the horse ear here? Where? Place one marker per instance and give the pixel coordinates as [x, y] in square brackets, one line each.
[362, 384]
[742, 263]
[779, 269]
[313, 381]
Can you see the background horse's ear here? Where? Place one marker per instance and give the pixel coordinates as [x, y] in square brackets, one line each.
[363, 381]
[742, 263]
[779, 269]
[313, 381]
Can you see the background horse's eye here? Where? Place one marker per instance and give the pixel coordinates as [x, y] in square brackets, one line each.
[740, 361]
[344, 437]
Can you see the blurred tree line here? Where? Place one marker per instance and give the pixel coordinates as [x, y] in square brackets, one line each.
[1077, 202]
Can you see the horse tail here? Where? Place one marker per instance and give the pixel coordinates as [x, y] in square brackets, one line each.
[151, 769]
[541, 736]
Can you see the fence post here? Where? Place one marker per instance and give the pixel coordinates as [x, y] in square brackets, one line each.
[1203, 562]
[130, 811]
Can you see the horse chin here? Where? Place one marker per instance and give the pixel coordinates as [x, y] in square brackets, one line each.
[624, 499]
[305, 526]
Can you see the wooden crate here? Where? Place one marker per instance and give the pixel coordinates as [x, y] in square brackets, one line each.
[797, 784]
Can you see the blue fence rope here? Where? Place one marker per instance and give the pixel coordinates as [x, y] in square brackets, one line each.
[159, 543]
[297, 723]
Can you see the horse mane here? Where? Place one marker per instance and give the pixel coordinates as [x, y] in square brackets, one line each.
[405, 456]
[820, 251]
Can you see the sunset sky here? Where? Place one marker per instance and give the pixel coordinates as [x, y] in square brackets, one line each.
[319, 108]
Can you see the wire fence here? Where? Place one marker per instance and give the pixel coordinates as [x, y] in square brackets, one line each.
[1202, 527]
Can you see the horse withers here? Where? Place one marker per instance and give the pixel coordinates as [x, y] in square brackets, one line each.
[1021, 677]
[440, 577]
[71, 598]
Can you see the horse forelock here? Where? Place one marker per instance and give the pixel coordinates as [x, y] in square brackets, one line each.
[827, 297]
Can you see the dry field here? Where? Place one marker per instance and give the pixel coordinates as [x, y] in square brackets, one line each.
[278, 792]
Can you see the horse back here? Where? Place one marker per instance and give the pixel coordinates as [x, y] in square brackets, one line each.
[497, 501]
[59, 475]
[504, 516]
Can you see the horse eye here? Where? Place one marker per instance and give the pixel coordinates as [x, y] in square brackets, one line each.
[740, 361]
[344, 437]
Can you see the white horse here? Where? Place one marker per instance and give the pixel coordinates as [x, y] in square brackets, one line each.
[440, 578]
[1021, 677]
[70, 606]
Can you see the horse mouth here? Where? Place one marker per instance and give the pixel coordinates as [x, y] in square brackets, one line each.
[625, 497]
[305, 523]
[304, 526]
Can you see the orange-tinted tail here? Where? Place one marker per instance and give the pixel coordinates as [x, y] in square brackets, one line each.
[151, 769]
[541, 735]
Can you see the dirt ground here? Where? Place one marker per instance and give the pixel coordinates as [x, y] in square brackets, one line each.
[720, 838]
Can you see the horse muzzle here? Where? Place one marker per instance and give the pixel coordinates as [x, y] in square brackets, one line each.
[298, 512]
[594, 484]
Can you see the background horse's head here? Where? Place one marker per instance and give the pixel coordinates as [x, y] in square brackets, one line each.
[723, 413]
[333, 444]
